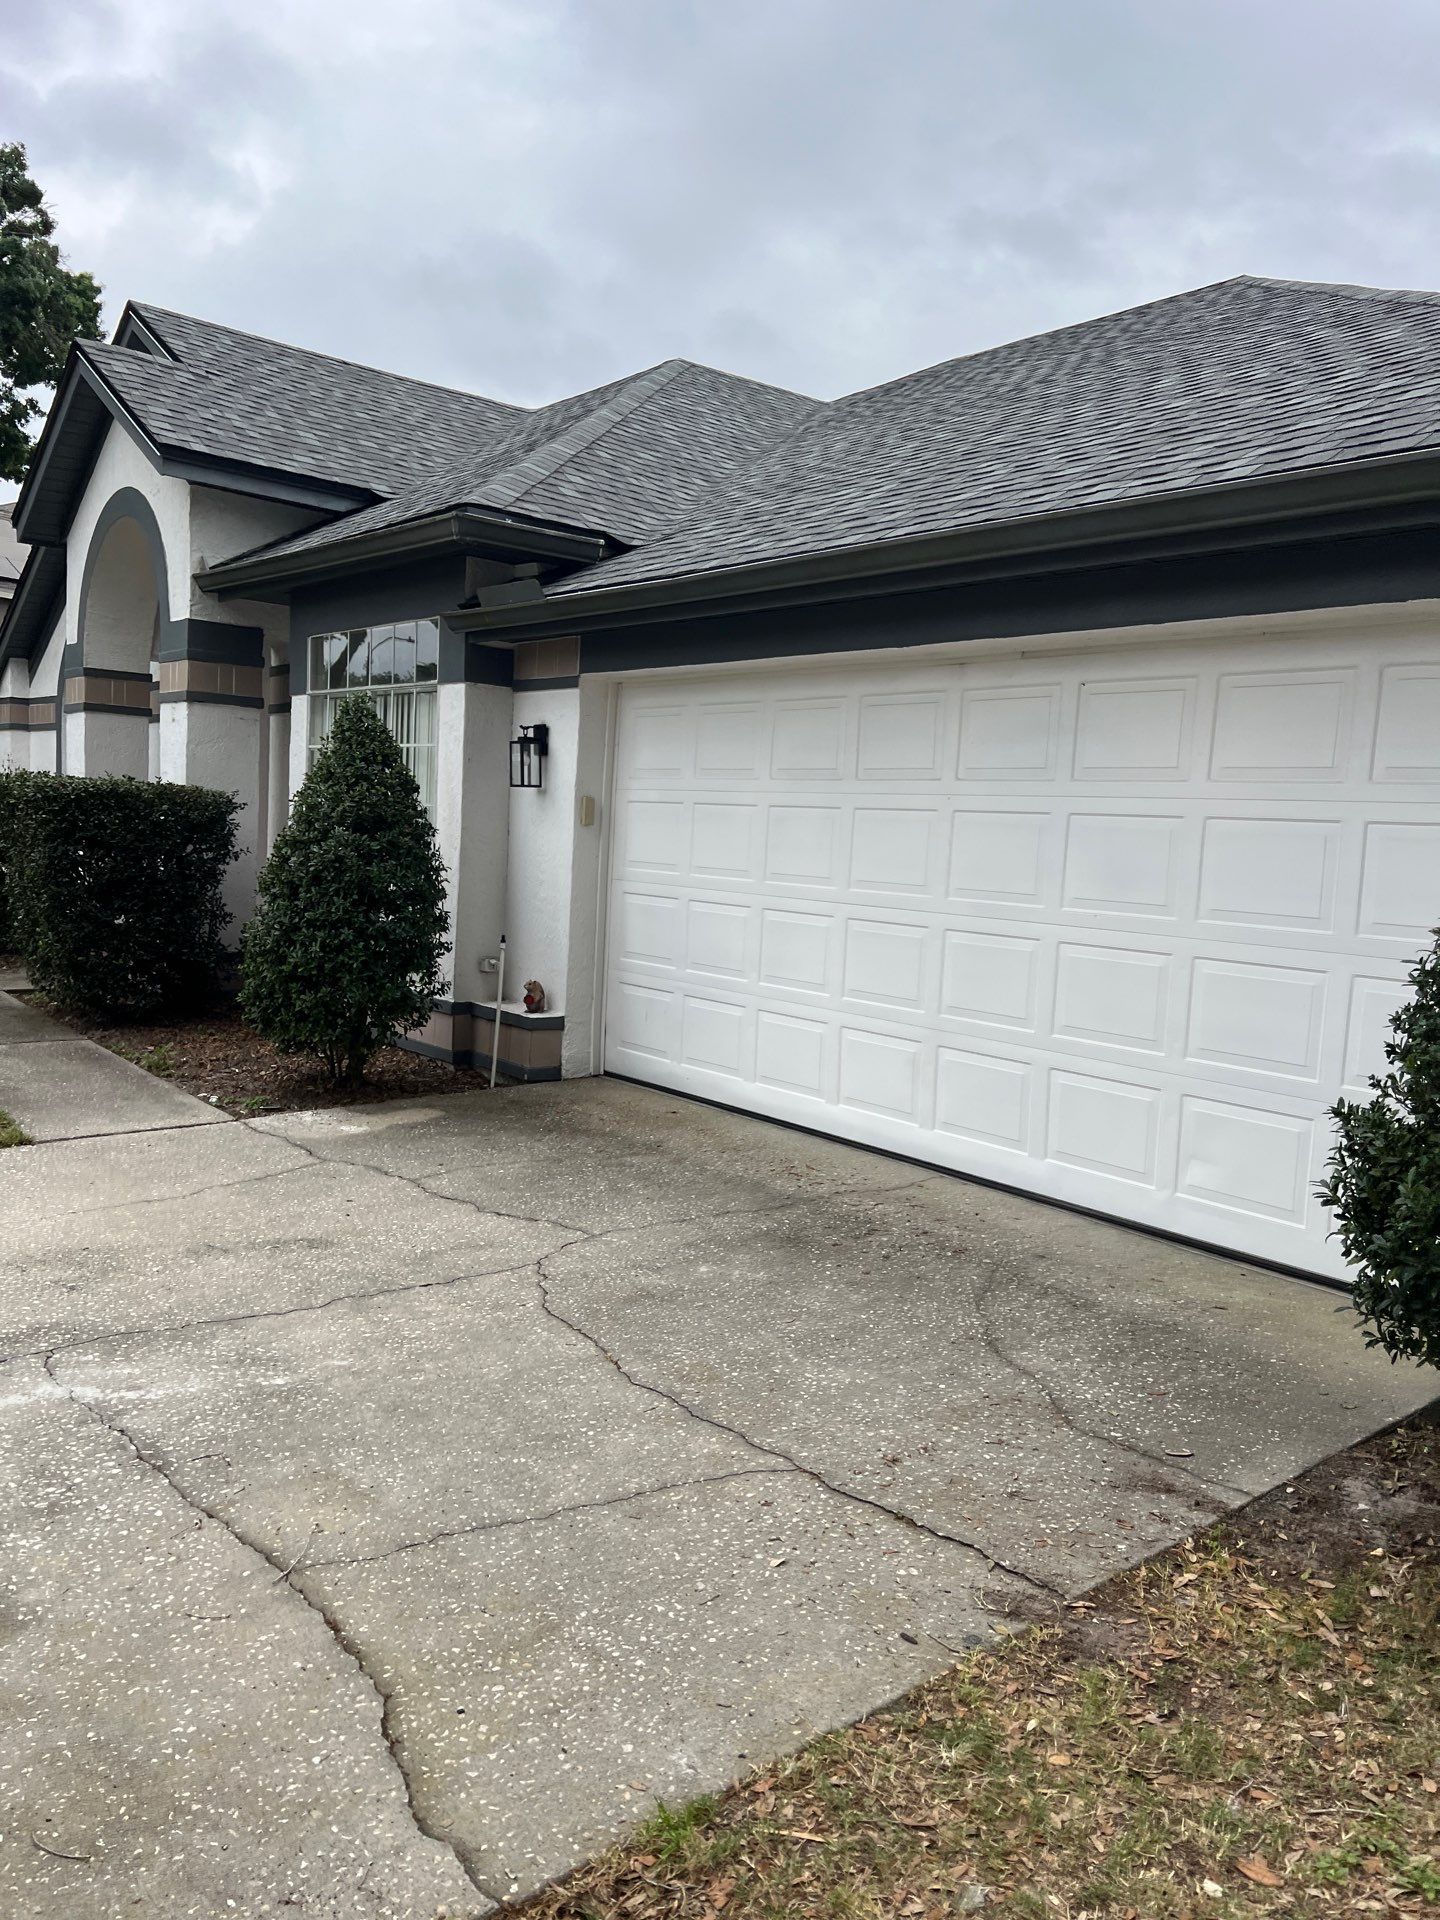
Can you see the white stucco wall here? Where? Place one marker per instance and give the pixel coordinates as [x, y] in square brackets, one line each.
[121, 463]
[542, 829]
[583, 993]
[471, 798]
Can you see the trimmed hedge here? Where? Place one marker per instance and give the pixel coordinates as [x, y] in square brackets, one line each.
[10, 780]
[115, 889]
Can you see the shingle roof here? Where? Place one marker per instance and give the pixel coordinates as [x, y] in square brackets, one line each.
[1238, 381]
[233, 396]
[625, 459]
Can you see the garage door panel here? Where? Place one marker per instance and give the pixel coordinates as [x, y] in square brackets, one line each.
[1407, 732]
[1115, 936]
[1134, 730]
[892, 849]
[1276, 727]
[1009, 733]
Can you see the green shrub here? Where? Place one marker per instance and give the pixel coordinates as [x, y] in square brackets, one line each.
[13, 781]
[1384, 1181]
[344, 951]
[115, 888]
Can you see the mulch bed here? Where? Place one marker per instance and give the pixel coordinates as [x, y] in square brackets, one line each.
[218, 1058]
[1247, 1725]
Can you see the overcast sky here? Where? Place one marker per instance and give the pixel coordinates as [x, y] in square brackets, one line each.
[528, 197]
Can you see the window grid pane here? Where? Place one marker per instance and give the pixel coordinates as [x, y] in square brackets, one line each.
[383, 664]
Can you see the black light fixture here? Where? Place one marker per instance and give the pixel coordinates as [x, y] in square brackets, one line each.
[528, 754]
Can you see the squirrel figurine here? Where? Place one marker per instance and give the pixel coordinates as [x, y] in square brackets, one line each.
[534, 997]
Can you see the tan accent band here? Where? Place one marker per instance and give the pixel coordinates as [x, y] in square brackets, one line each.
[27, 715]
[190, 677]
[107, 692]
[547, 659]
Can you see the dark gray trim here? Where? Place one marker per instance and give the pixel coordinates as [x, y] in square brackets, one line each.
[36, 605]
[83, 409]
[422, 590]
[107, 706]
[1268, 509]
[67, 449]
[485, 666]
[186, 698]
[557, 685]
[212, 640]
[1379, 568]
[268, 483]
[470, 1061]
[131, 328]
[461, 531]
[107, 673]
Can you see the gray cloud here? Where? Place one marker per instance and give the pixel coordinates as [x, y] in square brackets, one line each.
[531, 196]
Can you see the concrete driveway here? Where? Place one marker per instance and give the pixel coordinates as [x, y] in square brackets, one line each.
[401, 1500]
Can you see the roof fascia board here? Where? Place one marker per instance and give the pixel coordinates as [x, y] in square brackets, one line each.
[199, 469]
[129, 323]
[78, 373]
[1248, 511]
[34, 604]
[463, 530]
[266, 483]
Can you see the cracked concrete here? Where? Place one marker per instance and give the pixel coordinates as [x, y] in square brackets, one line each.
[524, 1458]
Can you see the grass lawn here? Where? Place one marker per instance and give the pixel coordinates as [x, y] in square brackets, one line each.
[1249, 1724]
[12, 1134]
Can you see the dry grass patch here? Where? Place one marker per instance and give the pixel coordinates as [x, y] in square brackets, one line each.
[1248, 1725]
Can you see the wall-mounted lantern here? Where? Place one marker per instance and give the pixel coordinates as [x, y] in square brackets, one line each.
[528, 754]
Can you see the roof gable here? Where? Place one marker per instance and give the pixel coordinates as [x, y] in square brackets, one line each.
[623, 460]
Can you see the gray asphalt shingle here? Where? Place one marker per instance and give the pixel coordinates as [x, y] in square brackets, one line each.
[696, 471]
[233, 396]
[625, 459]
[1238, 381]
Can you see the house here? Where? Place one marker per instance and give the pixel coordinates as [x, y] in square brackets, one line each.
[1030, 766]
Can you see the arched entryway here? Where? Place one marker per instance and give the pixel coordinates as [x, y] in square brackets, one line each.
[122, 612]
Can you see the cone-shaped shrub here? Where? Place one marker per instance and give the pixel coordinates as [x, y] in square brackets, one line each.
[1384, 1181]
[343, 953]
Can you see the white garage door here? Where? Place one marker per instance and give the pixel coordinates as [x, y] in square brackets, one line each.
[1114, 928]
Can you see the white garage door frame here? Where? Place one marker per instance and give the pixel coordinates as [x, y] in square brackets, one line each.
[1106, 919]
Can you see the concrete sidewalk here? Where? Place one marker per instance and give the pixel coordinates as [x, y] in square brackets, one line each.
[59, 1086]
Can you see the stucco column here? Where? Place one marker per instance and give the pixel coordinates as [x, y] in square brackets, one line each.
[106, 717]
[212, 711]
[472, 794]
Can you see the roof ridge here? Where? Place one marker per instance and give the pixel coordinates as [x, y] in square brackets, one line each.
[1357, 289]
[143, 307]
[543, 462]
[1048, 333]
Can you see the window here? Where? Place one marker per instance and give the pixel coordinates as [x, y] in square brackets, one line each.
[396, 668]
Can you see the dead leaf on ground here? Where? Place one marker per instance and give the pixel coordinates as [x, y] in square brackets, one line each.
[1260, 1871]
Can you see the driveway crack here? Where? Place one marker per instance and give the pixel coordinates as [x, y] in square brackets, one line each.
[538, 1519]
[587, 1237]
[990, 1339]
[789, 1460]
[285, 1575]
